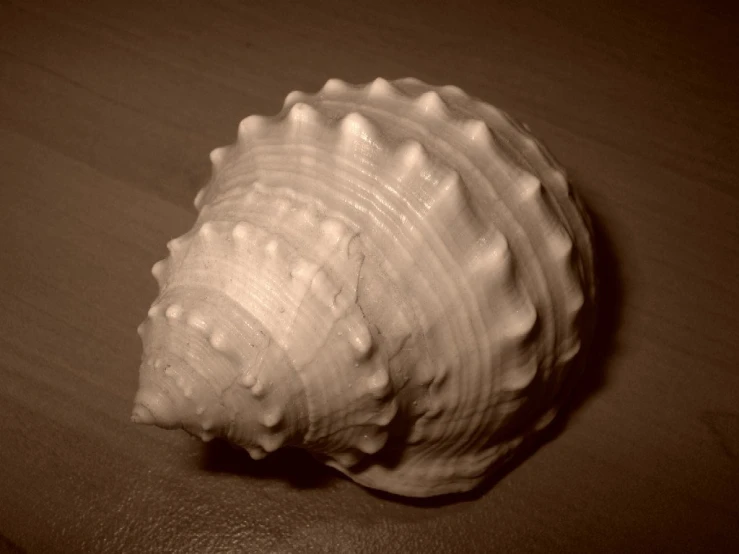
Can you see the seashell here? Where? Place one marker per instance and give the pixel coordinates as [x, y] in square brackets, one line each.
[396, 277]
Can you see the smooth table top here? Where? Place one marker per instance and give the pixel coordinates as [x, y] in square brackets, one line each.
[108, 111]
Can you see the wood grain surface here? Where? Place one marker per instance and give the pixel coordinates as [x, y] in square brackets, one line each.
[108, 111]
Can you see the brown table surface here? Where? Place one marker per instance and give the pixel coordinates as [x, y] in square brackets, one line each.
[107, 113]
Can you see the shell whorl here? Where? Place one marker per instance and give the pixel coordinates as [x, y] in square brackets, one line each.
[394, 276]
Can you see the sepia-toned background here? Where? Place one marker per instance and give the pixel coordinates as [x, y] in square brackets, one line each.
[108, 111]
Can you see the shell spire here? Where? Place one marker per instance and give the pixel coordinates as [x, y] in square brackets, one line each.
[395, 277]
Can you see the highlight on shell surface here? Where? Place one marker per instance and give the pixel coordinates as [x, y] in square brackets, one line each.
[396, 277]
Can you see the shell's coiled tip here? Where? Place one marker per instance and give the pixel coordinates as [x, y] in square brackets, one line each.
[154, 409]
[141, 414]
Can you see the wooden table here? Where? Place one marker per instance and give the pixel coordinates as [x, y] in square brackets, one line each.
[107, 113]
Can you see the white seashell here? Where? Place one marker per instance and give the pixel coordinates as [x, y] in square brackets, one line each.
[395, 277]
